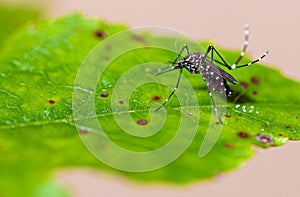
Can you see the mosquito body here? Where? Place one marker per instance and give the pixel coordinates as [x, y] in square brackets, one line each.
[215, 77]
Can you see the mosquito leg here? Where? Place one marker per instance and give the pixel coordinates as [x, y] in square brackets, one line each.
[246, 42]
[216, 61]
[214, 105]
[250, 63]
[210, 47]
[235, 65]
[174, 90]
[185, 47]
[212, 56]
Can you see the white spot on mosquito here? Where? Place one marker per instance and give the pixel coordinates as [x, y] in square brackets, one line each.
[242, 53]
[233, 66]
[237, 106]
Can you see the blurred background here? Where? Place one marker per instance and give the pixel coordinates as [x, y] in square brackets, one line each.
[274, 25]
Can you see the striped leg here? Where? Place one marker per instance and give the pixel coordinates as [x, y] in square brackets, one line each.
[174, 90]
[250, 63]
[246, 42]
[185, 47]
[214, 105]
[235, 65]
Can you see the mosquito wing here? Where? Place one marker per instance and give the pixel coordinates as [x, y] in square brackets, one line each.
[216, 80]
[221, 72]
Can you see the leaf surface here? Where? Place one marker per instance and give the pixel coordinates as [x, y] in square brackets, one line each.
[37, 132]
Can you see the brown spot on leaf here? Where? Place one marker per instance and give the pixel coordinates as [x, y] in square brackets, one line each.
[51, 102]
[83, 131]
[264, 139]
[244, 85]
[254, 93]
[229, 146]
[108, 47]
[255, 80]
[288, 126]
[99, 33]
[138, 38]
[227, 115]
[104, 95]
[242, 134]
[156, 98]
[142, 122]
[121, 102]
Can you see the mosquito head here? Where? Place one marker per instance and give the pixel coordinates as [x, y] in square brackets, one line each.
[180, 64]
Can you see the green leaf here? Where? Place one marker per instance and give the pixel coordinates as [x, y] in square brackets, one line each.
[12, 18]
[37, 134]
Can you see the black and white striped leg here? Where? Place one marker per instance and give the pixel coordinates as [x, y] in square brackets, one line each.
[214, 105]
[245, 45]
[174, 90]
[212, 56]
[212, 49]
[250, 63]
[234, 66]
[185, 47]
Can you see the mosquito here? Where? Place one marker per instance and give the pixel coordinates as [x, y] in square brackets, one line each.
[215, 77]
